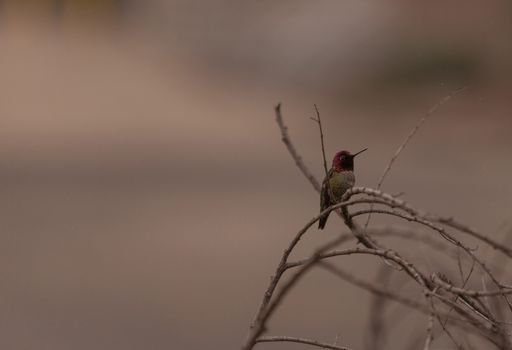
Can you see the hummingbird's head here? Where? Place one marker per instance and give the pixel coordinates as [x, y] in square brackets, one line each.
[344, 160]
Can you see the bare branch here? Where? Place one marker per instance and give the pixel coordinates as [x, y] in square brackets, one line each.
[319, 121]
[293, 152]
[469, 310]
[450, 222]
[421, 218]
[259, 325]
[431, 111]
[461, 291]
[489, 332]
[410, 303]
[283, 265]
[443, 324]
[430, 325]
[388, 254]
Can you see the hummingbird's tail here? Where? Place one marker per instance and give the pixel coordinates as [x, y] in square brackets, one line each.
[323, 221]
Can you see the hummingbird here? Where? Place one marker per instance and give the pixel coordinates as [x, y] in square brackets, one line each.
[339, 179]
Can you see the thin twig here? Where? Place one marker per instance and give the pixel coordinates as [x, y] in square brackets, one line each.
[430, 337]
[382, 293]
[451, 222]
[293, 152]
[461, 291]
[466, 280]
[407, 266]
[444, 326]
[431, 111]
[392, 296]
[487, 331]
[326, 181]
[459, 265]
[319, 121]
[430, 323]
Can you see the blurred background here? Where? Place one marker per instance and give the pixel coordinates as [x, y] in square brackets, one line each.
[146, 196]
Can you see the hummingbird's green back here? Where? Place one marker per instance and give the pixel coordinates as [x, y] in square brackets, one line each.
[340, 182]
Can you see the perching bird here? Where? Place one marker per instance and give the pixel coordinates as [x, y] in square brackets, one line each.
[340, 178]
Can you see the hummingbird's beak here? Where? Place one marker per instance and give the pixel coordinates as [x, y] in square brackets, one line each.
[359, 152]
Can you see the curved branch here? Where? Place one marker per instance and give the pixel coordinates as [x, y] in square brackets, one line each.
[264, 312]
[388, 254]
[272, 297]
[422, 219]
[450, 222]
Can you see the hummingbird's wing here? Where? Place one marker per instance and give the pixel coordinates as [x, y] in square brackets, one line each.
[325, 199]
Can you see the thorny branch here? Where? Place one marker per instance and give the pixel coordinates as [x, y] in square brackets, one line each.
[465, 309]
